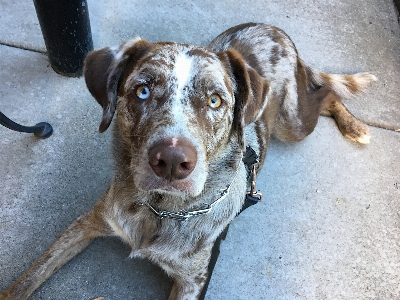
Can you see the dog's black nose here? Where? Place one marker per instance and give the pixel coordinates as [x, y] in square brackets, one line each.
[173, 159]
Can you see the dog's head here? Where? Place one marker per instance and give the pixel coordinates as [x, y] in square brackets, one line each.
[178, 106]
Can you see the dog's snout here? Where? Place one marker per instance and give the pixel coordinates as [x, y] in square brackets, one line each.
[173, 159]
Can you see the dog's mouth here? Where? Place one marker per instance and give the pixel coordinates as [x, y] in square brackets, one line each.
[180, 188]
[174, 187]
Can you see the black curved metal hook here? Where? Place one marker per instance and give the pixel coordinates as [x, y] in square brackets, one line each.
[41, 130]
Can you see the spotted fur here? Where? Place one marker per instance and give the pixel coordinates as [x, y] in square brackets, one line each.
[161, 92]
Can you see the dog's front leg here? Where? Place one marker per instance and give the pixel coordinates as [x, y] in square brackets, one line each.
[72, 241]
[188, 289]
[191, 276]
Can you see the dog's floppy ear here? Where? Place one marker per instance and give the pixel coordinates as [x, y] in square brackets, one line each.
[250, 92]
[103, 70]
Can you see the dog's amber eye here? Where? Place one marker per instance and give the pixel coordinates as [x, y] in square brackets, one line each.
[214, 101]
[143, 92]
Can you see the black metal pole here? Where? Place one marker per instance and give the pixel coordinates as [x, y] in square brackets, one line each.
[66, 31]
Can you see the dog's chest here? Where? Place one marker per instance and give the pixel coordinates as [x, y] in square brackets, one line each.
[166, 240]
[155, 238]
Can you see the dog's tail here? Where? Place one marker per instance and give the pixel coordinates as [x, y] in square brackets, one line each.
[344, 86]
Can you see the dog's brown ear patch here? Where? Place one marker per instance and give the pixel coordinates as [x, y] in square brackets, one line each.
[103, 69]
[250, 91]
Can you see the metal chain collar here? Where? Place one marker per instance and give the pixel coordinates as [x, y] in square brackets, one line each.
[250, 160]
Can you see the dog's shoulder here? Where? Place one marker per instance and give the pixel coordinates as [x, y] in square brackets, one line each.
[264, 47]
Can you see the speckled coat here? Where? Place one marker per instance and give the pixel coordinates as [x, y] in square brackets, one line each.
[200, 106]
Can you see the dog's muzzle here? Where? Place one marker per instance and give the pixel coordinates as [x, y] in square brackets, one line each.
[173, 159]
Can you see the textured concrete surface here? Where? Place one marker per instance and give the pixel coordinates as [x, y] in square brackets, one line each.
[19, 25]
[328, 227]
[334, 36]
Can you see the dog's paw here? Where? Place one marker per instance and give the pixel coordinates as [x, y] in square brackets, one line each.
[356, 131]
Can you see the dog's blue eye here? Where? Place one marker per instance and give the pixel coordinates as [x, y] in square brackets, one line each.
[143, 92]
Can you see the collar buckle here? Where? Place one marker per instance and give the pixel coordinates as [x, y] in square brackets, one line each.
[252, 163]
[254, 194]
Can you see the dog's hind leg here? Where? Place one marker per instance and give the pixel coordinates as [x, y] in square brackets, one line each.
[72, 241]
[351, 128]
[317, 93]
[342, 87]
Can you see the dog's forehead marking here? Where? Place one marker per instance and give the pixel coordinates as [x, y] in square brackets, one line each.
[182, 71]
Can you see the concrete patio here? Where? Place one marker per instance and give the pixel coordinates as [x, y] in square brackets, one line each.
[329, 224]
